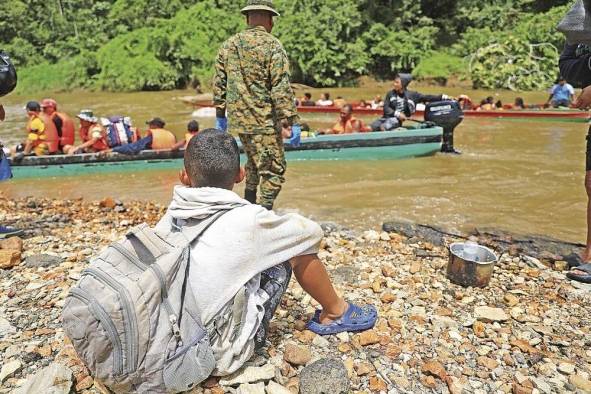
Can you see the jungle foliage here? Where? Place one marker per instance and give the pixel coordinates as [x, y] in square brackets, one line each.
[124, 45]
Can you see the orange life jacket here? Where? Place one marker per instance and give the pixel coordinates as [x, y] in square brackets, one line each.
[162, 139]
[102, 144]
[50, 132]
[68, 129]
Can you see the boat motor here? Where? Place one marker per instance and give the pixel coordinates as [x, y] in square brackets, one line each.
[446, 114]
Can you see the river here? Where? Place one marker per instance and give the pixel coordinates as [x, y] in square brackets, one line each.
[525, 177]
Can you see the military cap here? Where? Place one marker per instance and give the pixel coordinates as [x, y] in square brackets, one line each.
[260, 5]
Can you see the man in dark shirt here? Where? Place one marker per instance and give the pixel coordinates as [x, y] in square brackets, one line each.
[400, 104]
[575, 66]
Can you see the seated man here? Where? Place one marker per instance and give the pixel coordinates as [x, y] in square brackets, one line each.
[562, 94]
[42, 137]
[192, 130]
[92, 135]
[246, 258]
[400, 104]
[347, 123]
[63, 123]
[157, 138]
[6, 231]
[307, 101]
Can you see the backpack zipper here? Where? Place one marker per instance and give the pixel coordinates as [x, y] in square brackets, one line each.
[134, 260]
[130, 320]
[102, 316]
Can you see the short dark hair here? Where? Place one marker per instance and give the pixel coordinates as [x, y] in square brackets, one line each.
[308, 95]
[212, 159]
[348, 107]
[193, 126]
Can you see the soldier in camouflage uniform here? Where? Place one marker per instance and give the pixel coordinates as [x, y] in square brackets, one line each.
[252, 85]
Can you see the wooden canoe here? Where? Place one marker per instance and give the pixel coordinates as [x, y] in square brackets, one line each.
[398, 144]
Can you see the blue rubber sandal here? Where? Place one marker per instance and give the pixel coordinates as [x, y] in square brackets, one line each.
[355, 319]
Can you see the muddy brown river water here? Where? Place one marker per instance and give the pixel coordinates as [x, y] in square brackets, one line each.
[522, 176]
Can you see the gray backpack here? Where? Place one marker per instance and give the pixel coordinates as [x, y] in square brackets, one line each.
[132, 317]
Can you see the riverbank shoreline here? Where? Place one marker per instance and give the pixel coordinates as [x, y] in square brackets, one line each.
[526, 332]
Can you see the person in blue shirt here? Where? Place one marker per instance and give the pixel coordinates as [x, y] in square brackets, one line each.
[561, 94]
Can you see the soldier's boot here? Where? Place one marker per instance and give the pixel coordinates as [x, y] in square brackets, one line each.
[250, 196]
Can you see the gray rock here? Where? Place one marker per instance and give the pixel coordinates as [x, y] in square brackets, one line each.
[43, 260]
[490, 315]
[325, 376]
[55, 379]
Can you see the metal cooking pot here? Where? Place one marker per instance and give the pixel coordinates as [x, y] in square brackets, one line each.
[472, 272]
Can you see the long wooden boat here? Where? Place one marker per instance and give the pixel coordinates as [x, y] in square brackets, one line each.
[512, 114]
[398, 144]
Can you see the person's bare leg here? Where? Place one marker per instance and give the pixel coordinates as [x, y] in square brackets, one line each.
[312, 276]
[587, 253]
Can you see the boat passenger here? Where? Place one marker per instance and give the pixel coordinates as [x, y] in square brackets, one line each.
[42, 138]
[499, 105]
[488, 104]
[192, 130]
[307, 101]
[400, 104]
[325, 101]
[519, 104]
[363, 105]
[377, 103]
[63, 123]
[562, 94]
[157, 138]
[465, 102]
[339, 102]
[92, 135]
[348, 124]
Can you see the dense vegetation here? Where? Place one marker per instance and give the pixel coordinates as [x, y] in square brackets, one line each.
[126, 45]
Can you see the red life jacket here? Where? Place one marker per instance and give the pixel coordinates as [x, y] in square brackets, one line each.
[68, 129]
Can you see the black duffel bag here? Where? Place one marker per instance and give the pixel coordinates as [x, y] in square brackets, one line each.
[8, 76]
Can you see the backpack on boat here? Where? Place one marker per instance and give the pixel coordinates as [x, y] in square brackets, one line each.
[133, 319]
[119, 131]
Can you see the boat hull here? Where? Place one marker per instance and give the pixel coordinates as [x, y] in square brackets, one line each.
[367, 146]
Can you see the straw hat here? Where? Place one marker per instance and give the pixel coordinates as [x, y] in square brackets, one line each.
[576, 25]
[260, 5]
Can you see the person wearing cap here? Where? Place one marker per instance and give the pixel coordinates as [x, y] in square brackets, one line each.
[92, 135]
[157, 138]
[192, 130]
[252, 86]
[42, 137]
[63, 123]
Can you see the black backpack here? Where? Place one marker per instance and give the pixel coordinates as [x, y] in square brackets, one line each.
[8, 76]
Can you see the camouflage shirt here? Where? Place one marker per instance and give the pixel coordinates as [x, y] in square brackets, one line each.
[252, 83]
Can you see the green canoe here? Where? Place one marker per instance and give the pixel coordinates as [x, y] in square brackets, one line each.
[402, 143]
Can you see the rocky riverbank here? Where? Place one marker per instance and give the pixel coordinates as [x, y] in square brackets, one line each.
[527, 332]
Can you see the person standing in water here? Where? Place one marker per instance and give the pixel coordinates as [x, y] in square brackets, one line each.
[251, 85]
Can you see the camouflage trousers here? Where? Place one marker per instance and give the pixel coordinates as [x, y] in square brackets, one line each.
[265, 165]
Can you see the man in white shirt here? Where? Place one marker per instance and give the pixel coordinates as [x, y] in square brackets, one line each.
[242, 265]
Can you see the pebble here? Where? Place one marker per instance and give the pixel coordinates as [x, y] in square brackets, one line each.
[275, 388]
[54, 379]
[489, 315]
[251, 388]
[566, 368]
[8, 369]
[297, 355]
[367, 338]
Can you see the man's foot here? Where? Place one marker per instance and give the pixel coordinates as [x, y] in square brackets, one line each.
[7, 232]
